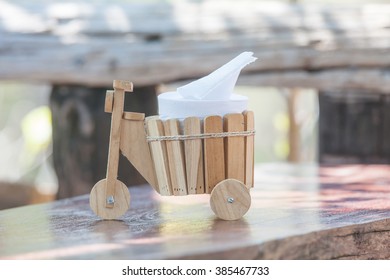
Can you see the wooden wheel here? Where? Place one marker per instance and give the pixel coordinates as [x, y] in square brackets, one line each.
[230, 199]
[121, 200]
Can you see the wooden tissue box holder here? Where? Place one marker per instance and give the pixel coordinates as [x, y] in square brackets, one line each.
[214, 156]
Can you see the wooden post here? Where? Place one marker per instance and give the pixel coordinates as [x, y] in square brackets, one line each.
[353, 127]
[81, 131]
[294, 130]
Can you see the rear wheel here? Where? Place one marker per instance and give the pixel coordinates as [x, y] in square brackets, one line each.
[230, 199]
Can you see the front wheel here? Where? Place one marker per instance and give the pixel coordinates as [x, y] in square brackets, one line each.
[97, 200]
[230, 199]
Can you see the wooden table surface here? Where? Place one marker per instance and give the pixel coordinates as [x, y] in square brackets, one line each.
[298, 212]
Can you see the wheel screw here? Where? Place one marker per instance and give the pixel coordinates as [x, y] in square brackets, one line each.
[110, 199]
[230, 200]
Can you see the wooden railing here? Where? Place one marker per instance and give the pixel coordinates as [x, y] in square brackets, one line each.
[151, 42]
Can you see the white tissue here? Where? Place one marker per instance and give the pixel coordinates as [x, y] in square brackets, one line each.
[210, 95]
[219, 84]
[171, 105]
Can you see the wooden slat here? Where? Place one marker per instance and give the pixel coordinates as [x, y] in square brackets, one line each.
[301, 40]
[159, 155]
[200, 186]
[121, 84]
[214, 159]
[194, 156]
[132, 116]
[234, 147]
[294, 61]
[372, 80]
[113, 150]
[176, 160]
[109, 101]
[249, 120]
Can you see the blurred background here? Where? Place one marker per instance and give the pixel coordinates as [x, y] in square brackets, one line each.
[318, 88]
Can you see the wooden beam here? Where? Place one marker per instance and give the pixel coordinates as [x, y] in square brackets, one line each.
[157, 42]
[371, 80]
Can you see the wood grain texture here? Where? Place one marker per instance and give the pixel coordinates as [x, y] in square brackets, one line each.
[214, 157]
[123, 85]
[194, 156]
[353, 127]
[200, 185]
[176, 158]
[372, 80]
[135, 148]
[158, 151]
[234, 147]
[88, 42]
[249, 120]
[109, 101]
[230, 200]
[97, 200]
[118, 96]
[113, 148]
[297, 212]
[357, 242]
[367, 241]
[133, 116]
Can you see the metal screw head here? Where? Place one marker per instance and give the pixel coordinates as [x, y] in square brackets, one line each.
[110, 200]
[230, 200]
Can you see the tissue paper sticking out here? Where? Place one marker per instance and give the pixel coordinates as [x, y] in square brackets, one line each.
[219, 84]
[210, 95]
